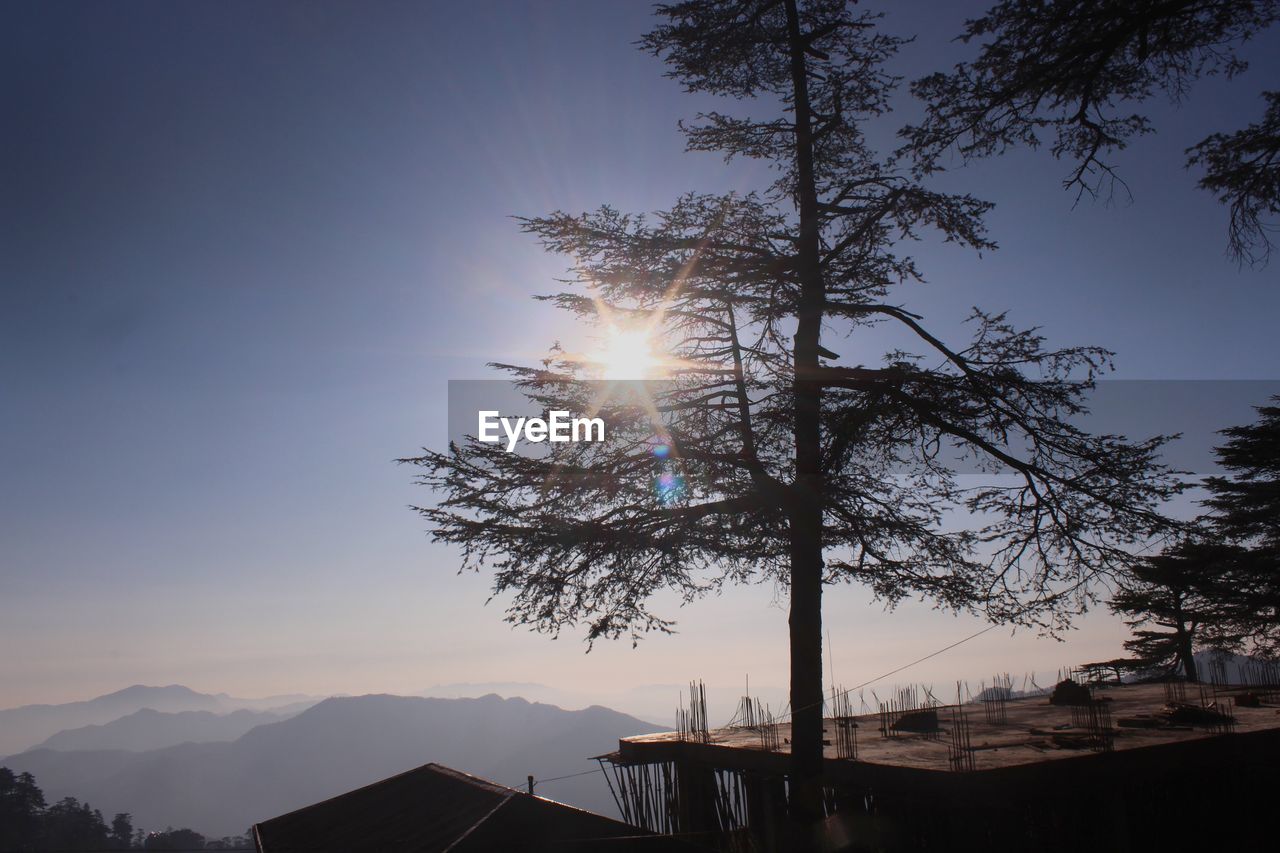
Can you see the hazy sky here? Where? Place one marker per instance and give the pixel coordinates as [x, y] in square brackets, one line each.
[245, 245]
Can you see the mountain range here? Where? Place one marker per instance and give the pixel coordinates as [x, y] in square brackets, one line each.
[334, 746]
[654, 702]
[24, 727]
[150, 729]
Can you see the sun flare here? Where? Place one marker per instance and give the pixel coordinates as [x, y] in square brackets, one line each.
[628, 354]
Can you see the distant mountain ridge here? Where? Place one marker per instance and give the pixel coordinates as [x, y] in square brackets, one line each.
[654, 702]
[148, 729]
[25, 726]
[333, 747]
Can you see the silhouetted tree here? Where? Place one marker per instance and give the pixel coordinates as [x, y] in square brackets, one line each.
[21, 810]
[174, 839]
[1069, 68]
[1178, 594]
[1244, 510]
[1243, 170]
[72, 825]
[758, 459]
[122, 831]
[1222, 589]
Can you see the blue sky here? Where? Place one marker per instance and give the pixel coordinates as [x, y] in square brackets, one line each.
[245, 246]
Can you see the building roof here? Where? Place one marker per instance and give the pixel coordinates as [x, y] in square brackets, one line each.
[434, 809]
[1027, 730]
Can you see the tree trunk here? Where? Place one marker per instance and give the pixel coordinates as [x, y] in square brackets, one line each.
[1187, 654]
[806, 667]
[806, 510]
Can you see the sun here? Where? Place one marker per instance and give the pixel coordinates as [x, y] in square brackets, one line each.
[628, 354]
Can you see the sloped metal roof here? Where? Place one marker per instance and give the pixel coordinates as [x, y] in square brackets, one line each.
[435, 809]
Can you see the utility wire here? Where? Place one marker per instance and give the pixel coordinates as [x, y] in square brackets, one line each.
[537, 782]
[973, 636]
[569, 776]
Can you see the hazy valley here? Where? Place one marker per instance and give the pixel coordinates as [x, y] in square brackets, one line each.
[240, 766]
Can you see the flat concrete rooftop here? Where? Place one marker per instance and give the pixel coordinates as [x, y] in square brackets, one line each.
[1034, 731]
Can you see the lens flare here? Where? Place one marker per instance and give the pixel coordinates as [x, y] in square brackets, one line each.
[628, 354]
[669, 488]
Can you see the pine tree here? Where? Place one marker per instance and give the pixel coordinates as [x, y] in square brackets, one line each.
[22, 809]
[72, 825]
[1071, 70]
[122, 831]
[757, 459]
[1174, 604]
[1244, 511]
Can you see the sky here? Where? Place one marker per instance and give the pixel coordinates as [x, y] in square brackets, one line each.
[244, 247]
